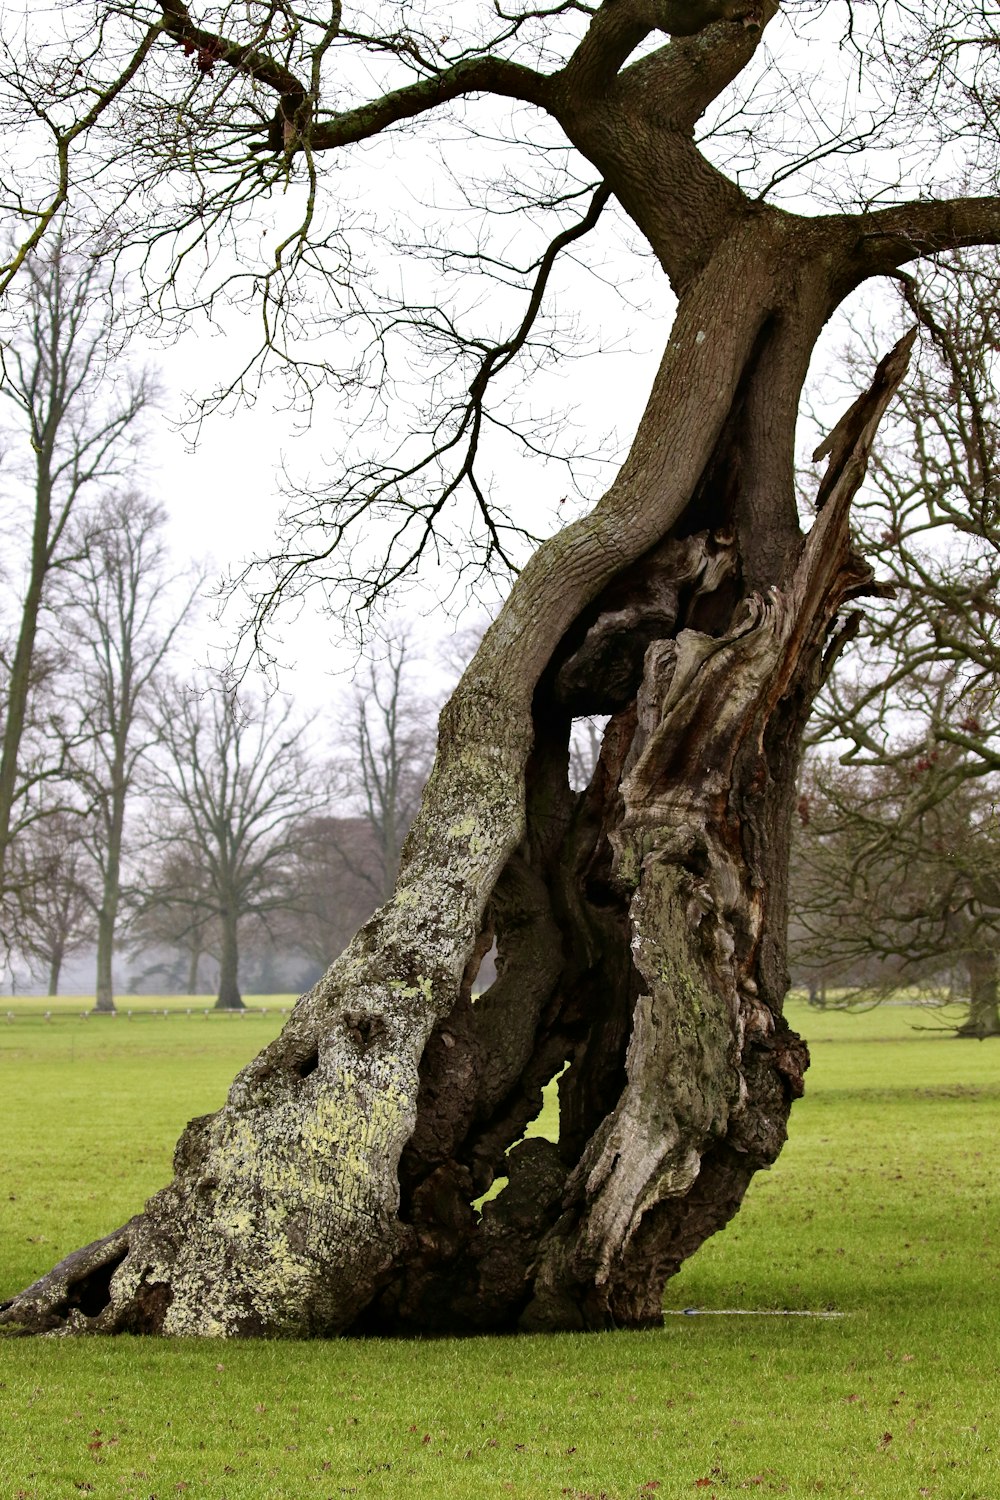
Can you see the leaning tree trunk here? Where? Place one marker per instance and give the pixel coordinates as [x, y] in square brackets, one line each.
[983, 1019]
[639, 925]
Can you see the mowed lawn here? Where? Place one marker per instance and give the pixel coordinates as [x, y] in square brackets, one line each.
[883, 1208]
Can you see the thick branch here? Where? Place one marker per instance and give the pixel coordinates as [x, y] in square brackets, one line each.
[637, 126]
[620, 26]
[211, 48]
[477, 75]
[678, 83]
[471, 76]
[612, 36]
[892, 236]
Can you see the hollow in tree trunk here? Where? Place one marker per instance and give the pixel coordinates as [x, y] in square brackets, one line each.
[639, 924]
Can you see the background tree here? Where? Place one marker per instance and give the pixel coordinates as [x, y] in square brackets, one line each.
[892, 891]
[381, 771]
[347, 859]
[235, 780]
[77, 407]
[338, 875]
[120, 630]
[640, 924]
[44, 787]
[901, 838]
[171, 929]
[55, 912]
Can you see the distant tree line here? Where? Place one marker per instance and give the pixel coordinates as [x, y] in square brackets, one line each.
[897, 866]
[157, 811]
[144, 807]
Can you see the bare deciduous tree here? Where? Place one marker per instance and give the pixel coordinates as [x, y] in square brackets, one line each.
[640, 924]
[338, 867]
[235, 782]
[172, 929]
[121, 629]
[892, 889]
[380, 772]
[899, 844]
[77, 407]
[54, 909]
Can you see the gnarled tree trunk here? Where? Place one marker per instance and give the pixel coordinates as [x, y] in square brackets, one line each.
[639, 924]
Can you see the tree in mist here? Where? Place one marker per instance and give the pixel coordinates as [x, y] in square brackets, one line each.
[640, 924]
[119, 630]
[55, 916]
[337, 873]
[347, 857]
[234, 779]
[44, 784]
[381, 767]
[898, 846]
[172, 928]
[75, 406]
[893, 890]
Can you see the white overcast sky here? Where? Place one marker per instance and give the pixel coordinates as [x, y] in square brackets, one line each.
[223, 498]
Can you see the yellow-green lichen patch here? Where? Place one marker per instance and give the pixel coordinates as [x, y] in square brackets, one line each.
[298, 1190]
[423, 989]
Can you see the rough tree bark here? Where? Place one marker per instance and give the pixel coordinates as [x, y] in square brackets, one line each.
[640, 925]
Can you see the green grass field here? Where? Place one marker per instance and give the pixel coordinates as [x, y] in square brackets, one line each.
[883, 1207]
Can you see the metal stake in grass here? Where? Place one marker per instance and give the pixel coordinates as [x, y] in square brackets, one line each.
[748, 1312]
